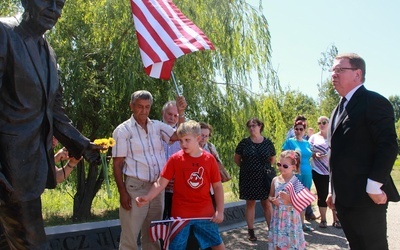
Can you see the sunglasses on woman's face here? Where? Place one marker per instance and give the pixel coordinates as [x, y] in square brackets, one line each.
[323, 123]
[282, 165]
[299, 129]
[252, 126]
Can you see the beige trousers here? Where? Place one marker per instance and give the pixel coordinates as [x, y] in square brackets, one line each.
[138, 219]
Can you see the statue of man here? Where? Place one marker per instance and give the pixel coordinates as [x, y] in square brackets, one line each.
[31, 113]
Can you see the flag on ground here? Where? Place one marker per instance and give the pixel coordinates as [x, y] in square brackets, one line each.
[300, 196]
[164, 34]
[166, 230]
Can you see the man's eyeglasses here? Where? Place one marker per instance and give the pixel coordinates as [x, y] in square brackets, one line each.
[252, 126]
[282, 165]
[339, 70]
[299, 129]
[323, 123]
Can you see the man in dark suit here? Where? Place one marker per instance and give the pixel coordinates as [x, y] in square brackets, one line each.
[363, 150]
[31, 113]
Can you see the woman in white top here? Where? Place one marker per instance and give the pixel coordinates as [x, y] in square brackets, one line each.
[320, 172]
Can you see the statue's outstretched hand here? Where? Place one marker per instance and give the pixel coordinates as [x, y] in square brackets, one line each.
[92, 154]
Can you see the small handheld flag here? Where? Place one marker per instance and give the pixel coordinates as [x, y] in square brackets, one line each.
[300, 196]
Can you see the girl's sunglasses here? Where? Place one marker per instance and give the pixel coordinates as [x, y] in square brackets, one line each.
[282, 165]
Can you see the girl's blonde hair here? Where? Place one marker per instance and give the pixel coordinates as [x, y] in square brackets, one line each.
[293, 156]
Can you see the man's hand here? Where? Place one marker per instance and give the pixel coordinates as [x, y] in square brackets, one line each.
[379, 198]
[92, 154]
[181, 104]
[125, 200]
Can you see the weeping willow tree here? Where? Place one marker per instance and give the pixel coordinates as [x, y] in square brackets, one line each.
[10, 7]
[100, 67]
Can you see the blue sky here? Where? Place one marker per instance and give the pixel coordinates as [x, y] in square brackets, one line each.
[302, 30]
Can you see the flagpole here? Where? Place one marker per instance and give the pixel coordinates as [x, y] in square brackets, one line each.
[181, 219]
[178, 92]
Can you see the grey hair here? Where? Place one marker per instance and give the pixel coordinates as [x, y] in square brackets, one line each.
[167, 104]
[143, 95]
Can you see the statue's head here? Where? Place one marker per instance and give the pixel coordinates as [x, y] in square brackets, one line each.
[42, 15]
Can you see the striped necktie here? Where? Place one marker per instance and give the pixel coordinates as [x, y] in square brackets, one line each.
[341, 105]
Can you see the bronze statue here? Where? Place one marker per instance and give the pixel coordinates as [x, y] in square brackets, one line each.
[31, 112]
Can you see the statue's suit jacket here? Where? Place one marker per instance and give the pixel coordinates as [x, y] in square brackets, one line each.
[363, 145]
[31, 112]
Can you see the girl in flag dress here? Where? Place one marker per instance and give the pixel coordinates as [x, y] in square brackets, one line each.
[286, 230]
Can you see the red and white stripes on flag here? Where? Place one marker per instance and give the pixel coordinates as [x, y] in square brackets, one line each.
[166, 230]
[164, 34]
[300, 196]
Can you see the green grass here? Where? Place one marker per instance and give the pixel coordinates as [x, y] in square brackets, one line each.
[58, 203]
[396, 173]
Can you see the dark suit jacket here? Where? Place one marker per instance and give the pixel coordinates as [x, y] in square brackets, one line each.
[30, 113]
[363, 145]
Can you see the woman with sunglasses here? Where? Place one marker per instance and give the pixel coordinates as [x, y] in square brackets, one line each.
[320, 173]
[255, 156]
[298, 143]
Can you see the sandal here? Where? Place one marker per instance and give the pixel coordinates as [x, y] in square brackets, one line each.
[336, 224]
[323, 224]
[311, 217]
[307, 228]
[252, 236]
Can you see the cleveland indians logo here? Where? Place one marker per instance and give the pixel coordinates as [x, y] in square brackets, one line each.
[196, 178]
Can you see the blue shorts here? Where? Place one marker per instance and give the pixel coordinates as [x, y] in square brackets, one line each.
[205, 231]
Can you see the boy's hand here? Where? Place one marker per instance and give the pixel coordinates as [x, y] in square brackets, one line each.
[141, 201]
[218, 217]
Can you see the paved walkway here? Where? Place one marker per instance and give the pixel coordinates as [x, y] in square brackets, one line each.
[328, 238]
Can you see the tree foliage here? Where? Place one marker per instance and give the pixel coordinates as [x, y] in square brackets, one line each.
[10, 7]
[328, 97]
[292, 103]
[100, 67]
[395, 101]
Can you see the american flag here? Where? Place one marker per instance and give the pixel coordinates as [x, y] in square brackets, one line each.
[166, 230]
[164, 34]
[300, 196]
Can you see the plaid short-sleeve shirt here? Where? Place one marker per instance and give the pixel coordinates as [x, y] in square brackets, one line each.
[144, 152]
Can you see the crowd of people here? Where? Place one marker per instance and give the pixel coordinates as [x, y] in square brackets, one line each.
[349, 159]
[304, 157]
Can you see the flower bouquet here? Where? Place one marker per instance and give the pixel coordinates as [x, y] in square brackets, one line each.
[106, 143]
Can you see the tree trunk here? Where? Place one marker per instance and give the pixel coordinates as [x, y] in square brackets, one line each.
[87, 188]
